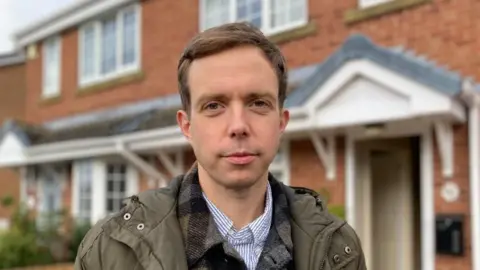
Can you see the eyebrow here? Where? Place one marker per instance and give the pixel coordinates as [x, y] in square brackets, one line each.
[207, 97]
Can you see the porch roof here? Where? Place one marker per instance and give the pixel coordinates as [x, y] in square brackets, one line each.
[396, 59]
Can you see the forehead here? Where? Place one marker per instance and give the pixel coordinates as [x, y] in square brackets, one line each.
[242, 69]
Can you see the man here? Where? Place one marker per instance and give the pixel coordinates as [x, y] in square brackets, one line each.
[227, 212]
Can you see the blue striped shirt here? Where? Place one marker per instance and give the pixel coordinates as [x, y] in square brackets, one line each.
[248, 241]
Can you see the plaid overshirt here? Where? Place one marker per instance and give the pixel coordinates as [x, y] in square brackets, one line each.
[205, 246]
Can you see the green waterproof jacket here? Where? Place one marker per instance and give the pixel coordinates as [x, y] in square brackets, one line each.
[145, 235]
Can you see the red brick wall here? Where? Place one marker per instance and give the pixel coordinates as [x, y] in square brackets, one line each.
[306, 169]
[161, 47]
[432, 29]
[12, 105]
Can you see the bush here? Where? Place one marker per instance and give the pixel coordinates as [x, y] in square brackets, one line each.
[19, 246]
[19, 249]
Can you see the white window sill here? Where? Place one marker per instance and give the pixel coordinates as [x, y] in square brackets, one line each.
[85, 83]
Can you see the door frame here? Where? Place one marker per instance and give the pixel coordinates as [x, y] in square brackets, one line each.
[427, 217]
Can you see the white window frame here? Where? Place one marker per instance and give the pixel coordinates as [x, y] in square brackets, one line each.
[120, 70]
[266, 12]
[99, 187]
[282, 164]
[371, 3]
[53, 90]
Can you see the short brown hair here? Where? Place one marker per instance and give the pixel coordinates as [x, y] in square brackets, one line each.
[224, 37]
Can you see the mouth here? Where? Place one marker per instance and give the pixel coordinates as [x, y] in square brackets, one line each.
[241, 157]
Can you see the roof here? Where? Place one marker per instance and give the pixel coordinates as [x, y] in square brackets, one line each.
[12, 58]
[397, 59]
[35, 135]
[68, 16]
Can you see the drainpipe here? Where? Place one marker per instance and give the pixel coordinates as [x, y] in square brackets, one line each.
[473, 100]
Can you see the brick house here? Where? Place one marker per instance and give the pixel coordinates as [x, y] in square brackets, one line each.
[378, 119]
[12, 106]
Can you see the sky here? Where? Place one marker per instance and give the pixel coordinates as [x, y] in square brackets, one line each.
[15, 14]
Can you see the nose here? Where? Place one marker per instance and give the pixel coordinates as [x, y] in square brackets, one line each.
[238, 124]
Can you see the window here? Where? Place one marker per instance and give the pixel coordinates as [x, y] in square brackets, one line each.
[369, 3]
[271, 16]
[116, 186]
[84, 187]
[110, 46]
[51, 67]
[50, 201]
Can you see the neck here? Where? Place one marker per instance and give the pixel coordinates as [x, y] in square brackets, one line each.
[242, 206]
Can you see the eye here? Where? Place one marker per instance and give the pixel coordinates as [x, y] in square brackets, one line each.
[212, 106]
[260, 103]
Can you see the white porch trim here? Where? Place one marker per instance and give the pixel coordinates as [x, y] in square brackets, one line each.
[474, 157]
[326, 153]
[472, 98]
[427, 191]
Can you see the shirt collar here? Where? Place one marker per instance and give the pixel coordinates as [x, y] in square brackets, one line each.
[259, 228]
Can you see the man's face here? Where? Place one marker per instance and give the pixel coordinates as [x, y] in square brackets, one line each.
[235, 121]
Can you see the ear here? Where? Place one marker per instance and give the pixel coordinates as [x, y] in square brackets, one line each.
[184, 123]
[284, 119]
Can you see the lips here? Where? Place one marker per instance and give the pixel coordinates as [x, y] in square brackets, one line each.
[241, 158]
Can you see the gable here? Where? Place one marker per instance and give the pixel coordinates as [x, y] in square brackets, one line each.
[363, 92]
[11, 150]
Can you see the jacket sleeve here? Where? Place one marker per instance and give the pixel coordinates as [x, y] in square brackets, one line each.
[87, 257]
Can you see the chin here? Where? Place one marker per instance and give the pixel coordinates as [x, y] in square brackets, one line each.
[240, 180]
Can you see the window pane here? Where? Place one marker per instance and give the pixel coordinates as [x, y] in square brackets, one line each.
[217, 12]
[122, 186]
[279, 13]
[110, 186]
[110, 205]
[85, 189]
[129, 37]
[285, 12]
[51, 67]
[297, 10]
[109, 46]
[88, 52]
[250, 11]
[116, 186]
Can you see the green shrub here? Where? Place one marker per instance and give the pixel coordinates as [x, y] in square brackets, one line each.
[18, 249]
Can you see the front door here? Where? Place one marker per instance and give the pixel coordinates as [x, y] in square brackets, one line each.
[388, 217]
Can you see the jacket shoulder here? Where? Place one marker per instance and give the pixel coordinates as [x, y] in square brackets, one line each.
[346, 250]
[98, 250]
